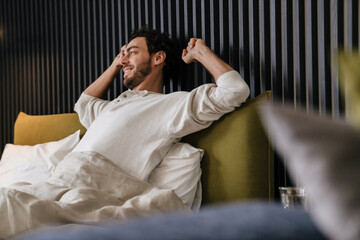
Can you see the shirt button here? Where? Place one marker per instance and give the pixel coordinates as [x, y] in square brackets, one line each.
[125, 96]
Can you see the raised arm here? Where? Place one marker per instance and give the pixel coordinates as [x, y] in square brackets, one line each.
[102, 84]
[198, 51]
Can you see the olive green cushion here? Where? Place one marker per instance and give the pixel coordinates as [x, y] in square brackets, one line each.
[35, 129]
[237, 164]
[350, 82]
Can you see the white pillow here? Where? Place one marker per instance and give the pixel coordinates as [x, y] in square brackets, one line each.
[33, 164]
[323, 155]
[180, 171]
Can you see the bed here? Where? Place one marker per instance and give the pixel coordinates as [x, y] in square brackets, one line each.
[237, 166]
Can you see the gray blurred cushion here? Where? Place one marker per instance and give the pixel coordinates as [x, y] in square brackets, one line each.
[324, 155]
[251, 221]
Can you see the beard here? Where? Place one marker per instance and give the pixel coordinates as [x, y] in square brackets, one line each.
[139, 74]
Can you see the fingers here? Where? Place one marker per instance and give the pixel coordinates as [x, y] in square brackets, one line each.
[184, 53]
[187, 57]
[121, 53]
[190, 54]
[122, 50]
[192, 43]
[118, 59]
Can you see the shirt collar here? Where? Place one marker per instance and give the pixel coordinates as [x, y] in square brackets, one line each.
[142, 93]
[133, 92]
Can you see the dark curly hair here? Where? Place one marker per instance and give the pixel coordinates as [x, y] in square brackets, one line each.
[158, 41]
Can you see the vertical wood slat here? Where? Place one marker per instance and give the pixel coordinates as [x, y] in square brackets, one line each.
[8, 75]
[296, 53]
[2, 77]
[321, 57]
[36, 59]
[334, 50]
[309, 57]
[51, 50]
[347, 47]
[251, 48]
[4, 84]
[285, 83]
[273, 40]
[241, 37]
[262, 46]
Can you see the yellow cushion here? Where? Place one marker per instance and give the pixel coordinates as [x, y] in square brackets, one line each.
[350, 82]
[237, 164]
[31, 129]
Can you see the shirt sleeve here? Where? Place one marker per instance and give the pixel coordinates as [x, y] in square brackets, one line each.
[207, 103]
[88, 108]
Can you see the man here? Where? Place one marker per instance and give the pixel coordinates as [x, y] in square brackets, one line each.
[136, 130]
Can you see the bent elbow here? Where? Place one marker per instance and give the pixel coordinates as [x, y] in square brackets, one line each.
[245, 92]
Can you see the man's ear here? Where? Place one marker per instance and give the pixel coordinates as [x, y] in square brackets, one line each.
[159, 57]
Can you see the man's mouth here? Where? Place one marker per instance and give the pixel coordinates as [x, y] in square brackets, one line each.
[127, 70]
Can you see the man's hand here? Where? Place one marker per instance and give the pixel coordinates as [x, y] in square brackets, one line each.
[116, 64]
[195, 48]
[102, 84]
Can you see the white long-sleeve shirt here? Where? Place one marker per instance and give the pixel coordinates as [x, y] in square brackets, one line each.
[136, 130]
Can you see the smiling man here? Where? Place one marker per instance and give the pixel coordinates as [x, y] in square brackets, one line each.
[136, 63]
[138, 128]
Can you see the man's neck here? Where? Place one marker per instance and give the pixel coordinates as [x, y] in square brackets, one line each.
[151, 83]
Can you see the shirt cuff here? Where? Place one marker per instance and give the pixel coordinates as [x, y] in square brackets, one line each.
[231, 78]
[84, 98]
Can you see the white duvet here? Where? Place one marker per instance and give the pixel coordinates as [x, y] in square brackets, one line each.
[84, 187]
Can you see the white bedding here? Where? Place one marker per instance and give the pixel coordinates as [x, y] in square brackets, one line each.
[84, 187]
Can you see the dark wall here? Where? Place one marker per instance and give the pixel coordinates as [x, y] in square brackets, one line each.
[50, 50]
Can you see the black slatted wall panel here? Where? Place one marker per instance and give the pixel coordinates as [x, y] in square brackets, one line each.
[50, 50]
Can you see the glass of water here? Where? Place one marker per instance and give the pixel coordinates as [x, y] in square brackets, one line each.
[293, 197]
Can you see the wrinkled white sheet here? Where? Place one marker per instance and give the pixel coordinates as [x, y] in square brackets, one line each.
[84, 187]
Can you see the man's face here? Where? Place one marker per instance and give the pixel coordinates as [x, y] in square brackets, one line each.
[136, 62]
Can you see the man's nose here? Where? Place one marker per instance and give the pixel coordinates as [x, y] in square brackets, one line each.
[125, 59]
